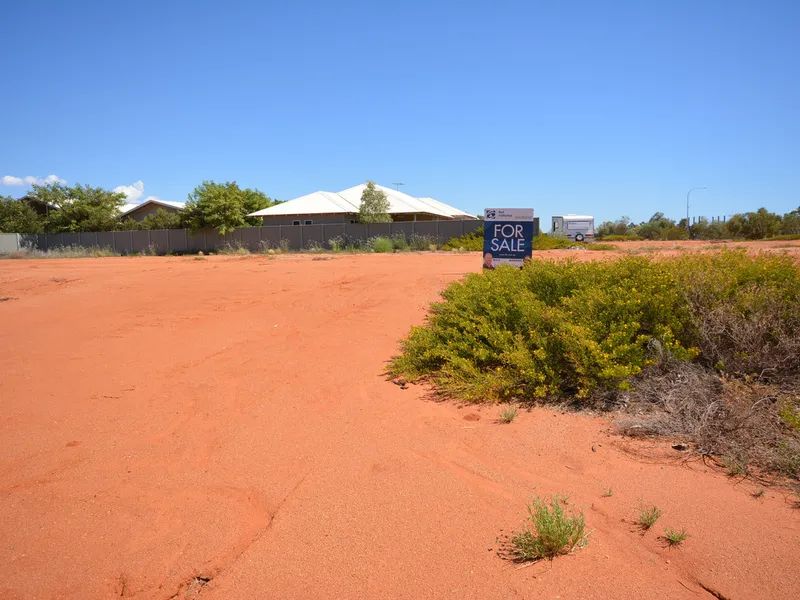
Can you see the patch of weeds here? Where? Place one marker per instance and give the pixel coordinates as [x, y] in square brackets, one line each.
[733, 468]
[675, 537]
[596, 246]
[549, 531]
[608, 493]
[382, 244]
[200, 258]
[648, 517]
[236, 248]
[508, 413]
[283, 246]
[399, 241]
[758, 493]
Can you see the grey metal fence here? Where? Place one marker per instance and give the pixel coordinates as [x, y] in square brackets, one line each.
[9, 242]
[295, 237]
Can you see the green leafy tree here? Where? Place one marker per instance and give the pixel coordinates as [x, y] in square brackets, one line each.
[374, 206]
[161, 219]
[791, 222]
[79, 207]
[18, 216]
[223, 206]
[656, 227]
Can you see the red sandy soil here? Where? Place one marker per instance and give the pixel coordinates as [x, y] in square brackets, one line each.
[219, 428]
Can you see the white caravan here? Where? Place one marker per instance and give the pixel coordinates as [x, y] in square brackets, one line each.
[579, 228]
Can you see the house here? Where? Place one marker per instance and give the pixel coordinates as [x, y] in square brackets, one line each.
[342, 207]
[139, 212]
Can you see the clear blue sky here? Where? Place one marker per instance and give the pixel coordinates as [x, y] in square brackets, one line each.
[607, 108]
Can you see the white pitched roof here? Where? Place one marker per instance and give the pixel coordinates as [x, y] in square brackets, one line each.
[129, 208]
[349, 201]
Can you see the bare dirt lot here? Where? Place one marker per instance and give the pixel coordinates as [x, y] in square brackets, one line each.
[219, 428]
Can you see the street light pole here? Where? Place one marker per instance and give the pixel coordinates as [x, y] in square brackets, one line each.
[687, 204]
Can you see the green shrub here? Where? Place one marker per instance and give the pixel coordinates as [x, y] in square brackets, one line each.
[606, 247]
[551, 329]
[421, 243]
[566, 328]
[382, 244]
[549, 242]
[549, 531]
[621, 238]
[399, 241]
[469, 241]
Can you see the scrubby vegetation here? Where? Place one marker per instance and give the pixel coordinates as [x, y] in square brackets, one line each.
[549, 531]
[705, 346]
[63, 252]
[756, 225]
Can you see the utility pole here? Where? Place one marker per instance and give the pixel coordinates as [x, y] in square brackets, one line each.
[687, 204]
[397, 185]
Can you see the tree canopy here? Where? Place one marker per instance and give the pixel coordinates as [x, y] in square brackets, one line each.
[79, 207]
[374, 206]
[18, 216]
[223, 206]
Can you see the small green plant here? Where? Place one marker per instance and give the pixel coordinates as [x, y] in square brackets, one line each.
[233, 248]
[283, 245]
[399, 241]
[648, 517]
[608, 493]
[675, 537]
[420, 243]
[508, 413]
[733, 467]
[606, 247]
[199, 258]
[549, 531]
[622, 238]
[382, 244]
[759, 493]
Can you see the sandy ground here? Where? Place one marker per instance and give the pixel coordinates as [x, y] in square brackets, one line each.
[219, 428]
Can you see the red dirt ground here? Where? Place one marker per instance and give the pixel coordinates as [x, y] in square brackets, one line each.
[219, 428]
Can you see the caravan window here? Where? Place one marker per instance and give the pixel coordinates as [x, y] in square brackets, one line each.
[578, 225]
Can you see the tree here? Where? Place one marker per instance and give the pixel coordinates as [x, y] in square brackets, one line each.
[656, 227]
[18, 216]
[161, 219]
[78, 208]
[223, 206]
[374, 206]
[791, 222]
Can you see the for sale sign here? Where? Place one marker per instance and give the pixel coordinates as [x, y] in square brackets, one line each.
[507, 236]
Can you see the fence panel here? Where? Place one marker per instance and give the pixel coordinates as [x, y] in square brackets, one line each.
[470, 226]
[250, 238]
[122, 242]
[335, 231]
[159, 241]
[449, 230]
[87, 238]
[312, 236]
[70, 239]
[405, 228]
[427, 228]
[379, 230]
[177, 240]
[356, 231]
[196, 241]
[140, 241]
[270, 236]
[9, 242]
[105, 239]
[213, 239]
[294, 234]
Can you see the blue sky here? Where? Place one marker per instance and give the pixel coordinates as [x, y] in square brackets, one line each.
[607, 108]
